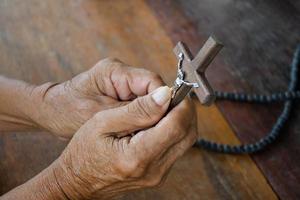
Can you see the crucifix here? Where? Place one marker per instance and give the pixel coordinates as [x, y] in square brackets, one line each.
[191, 72]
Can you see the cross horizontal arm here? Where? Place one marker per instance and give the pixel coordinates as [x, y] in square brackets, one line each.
[204, 92]
[206, 54]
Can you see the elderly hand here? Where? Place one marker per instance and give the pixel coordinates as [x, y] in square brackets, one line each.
[63, 108]
[126, 148]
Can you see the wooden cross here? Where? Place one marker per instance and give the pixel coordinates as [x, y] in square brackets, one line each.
[194, 71]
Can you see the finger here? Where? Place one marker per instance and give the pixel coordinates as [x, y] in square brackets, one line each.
[118, 80]
[130, 82]
[171, 129]
[139, 114]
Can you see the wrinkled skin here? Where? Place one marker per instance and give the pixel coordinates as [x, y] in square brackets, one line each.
[64, 107]
[126, 148]
[122, 137]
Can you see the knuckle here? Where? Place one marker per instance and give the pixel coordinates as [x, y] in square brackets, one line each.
[130, 168]
[154, 181]
[111, 60]
[107, 63]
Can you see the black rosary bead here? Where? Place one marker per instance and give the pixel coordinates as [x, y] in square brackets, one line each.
[287, 97]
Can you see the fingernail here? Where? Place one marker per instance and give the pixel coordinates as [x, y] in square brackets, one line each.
[162, 95]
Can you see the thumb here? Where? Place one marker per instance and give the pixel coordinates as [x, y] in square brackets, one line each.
[141, 113]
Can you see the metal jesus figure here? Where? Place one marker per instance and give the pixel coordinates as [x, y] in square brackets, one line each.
[191, 72]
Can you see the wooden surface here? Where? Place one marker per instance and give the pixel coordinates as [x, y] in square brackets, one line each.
[259, 38]
[52, 40]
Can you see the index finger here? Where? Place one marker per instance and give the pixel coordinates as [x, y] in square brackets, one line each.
[130, 81]
[122, 82]
[170, 130]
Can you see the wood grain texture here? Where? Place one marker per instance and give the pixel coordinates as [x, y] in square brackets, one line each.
[259, 39]
[54, 40]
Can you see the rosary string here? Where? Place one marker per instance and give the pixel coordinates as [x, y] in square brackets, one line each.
[288, 97]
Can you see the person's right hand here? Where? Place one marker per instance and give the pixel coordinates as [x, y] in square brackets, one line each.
[126, 148]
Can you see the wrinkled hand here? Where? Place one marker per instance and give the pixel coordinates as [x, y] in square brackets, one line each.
[126, 148]
[64, 107]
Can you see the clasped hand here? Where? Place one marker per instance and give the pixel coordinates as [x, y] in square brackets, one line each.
[124, 139]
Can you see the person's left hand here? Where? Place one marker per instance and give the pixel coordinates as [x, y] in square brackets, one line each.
[63, 108]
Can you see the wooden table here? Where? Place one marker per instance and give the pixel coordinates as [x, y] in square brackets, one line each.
[53, 40]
